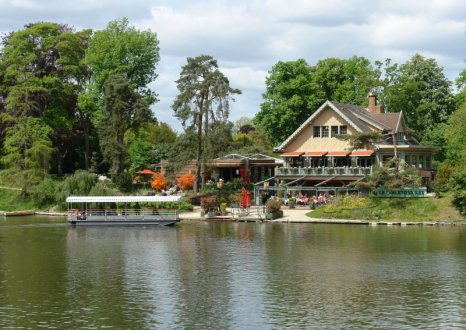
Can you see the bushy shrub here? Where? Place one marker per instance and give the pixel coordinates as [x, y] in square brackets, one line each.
[103, 189]
[158, 181]
[80, 183]
[209, 202]
[186, 181]
[273, 208]
[124, 180]
[46, 193]
[181, 206]
[458, 187]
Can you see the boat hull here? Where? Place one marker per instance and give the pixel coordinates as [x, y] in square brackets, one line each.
[123, 222]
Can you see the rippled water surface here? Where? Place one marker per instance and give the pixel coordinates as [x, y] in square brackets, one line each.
[231, 276]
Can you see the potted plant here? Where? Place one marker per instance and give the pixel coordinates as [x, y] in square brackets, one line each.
[273, 209]
[209, 205]
[291, 202]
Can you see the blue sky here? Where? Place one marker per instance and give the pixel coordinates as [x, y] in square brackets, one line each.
[249, 37]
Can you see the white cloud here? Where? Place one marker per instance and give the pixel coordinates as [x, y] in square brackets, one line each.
[248, 37]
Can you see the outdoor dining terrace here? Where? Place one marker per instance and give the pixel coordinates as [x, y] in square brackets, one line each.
[325, 171]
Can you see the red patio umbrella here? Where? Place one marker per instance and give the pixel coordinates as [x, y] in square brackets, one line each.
[245, 198]
[146, 171]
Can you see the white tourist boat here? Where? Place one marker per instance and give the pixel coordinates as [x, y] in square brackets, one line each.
[120, 210]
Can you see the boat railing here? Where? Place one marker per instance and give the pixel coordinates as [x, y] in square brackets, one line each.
[123, 214]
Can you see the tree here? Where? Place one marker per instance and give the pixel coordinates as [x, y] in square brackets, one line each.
[295, 90]
[345, 80]
[27, 152]
[151, 143]
[420, 89]
[124, 109]
[289, 99]
[118, 49]
[455, 136]
[122, 49]
[204, 98]
[40, 68]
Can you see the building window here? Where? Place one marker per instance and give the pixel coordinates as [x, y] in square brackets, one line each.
[325, 131]
[343, 129]
[428, 162]
[316, 132]
[421, 162]
[365, 161]
[334, 130]
[408, 159]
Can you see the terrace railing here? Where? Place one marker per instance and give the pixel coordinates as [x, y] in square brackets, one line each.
[324, 171]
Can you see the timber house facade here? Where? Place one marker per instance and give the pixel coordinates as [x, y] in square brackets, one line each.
[314, 156]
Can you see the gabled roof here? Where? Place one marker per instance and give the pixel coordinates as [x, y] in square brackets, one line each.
[344, 114]
[357, 117]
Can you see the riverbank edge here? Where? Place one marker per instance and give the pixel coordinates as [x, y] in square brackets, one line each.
[289, 216]
[299, 216]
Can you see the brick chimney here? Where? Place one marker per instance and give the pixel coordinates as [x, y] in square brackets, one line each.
[373, 107]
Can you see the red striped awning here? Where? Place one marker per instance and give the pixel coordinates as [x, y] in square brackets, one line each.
[338, 153]
[292, 154]
[362, 153]
[315, 153]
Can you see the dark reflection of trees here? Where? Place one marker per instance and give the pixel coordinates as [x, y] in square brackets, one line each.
[303, 276]
[32, 275]
[204, 276]
[97, 269]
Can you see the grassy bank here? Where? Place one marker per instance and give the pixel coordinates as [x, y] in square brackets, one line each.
[10, 200]
[390, 209]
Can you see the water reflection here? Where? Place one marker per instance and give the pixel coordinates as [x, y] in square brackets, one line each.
[231, 275]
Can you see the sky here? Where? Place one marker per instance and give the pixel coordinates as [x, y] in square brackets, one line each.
[247, 37]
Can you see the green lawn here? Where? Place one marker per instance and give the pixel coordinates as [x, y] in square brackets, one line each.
[391, 209]
[10, 200]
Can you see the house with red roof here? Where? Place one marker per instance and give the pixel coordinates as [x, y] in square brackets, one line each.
[314, 155]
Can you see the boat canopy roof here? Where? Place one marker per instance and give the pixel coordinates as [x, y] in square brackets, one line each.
[121, 199]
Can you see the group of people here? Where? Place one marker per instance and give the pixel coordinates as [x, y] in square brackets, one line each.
[301, 199]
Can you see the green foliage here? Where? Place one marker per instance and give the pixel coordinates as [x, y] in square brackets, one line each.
[455, 137]
[295, 90]
[27, 152]
[443, 176]
[46, 193]
[203, 104]
[40, 71]
[124, 180]
[123, 49]
[421, 90]
[391, 209]
[436, 137]
[124, 109]
[392, 176]
[361, 140]
[11, 200]
[290, 98]
[103, 189]
[458, 187]
[79, 184]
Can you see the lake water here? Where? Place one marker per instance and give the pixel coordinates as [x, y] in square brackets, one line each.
[231, 276]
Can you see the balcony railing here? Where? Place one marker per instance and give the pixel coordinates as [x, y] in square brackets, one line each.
[324, 171]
